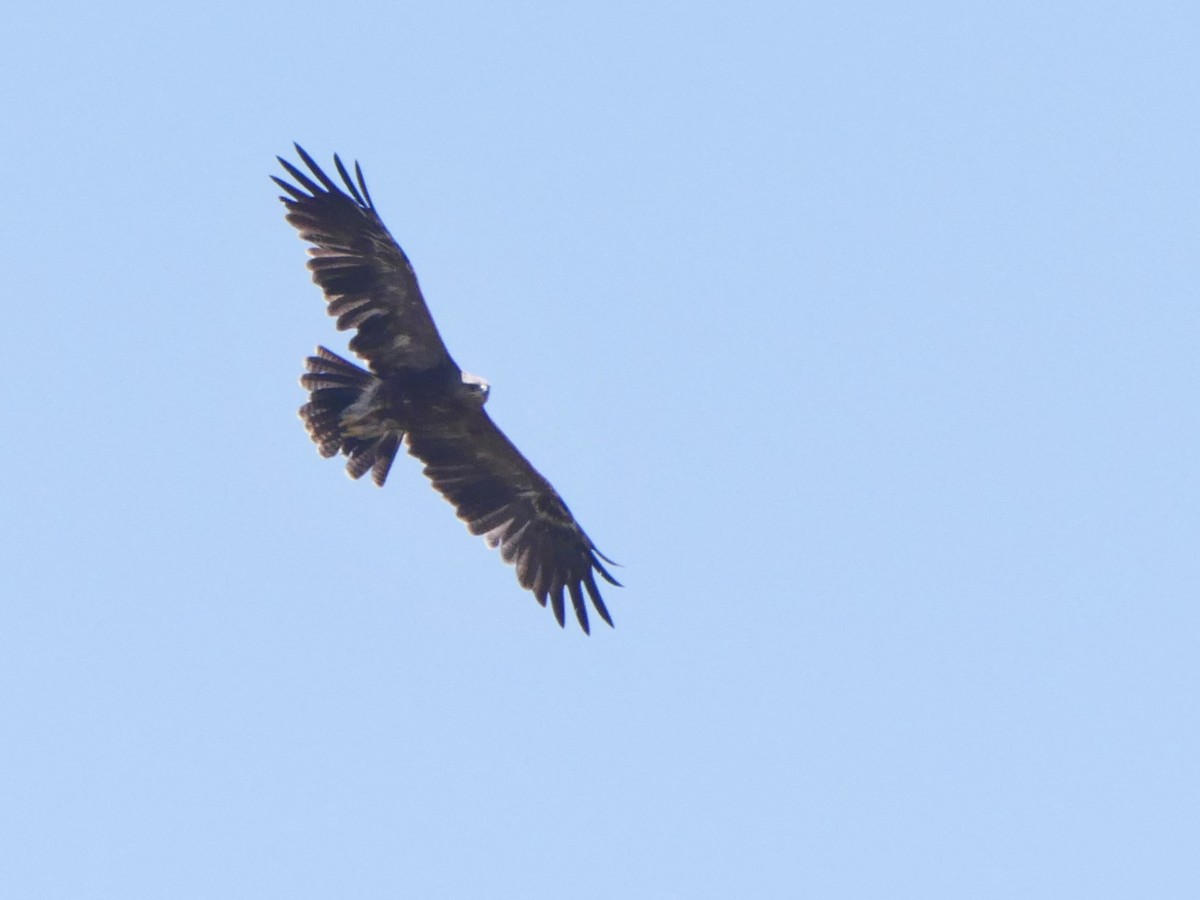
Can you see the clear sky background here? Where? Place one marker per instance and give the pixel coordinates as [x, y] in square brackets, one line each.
[864, 335]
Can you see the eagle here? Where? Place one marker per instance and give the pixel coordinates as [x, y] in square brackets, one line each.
[412, 393]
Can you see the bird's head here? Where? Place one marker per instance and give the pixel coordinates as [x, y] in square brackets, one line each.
[477, 388]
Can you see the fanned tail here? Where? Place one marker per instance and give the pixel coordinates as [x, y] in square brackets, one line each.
[335, 385]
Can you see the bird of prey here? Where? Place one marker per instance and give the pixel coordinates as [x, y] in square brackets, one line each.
[413, 393]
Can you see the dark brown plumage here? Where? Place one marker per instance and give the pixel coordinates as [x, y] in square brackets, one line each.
[415, 394]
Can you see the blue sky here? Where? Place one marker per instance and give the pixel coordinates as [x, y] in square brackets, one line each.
[863, 335]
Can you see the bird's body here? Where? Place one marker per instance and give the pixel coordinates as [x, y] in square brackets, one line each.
[415, 395]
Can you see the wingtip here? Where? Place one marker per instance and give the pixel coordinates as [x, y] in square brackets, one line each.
[362, 183]
[299, 150]
[604, 573]
[556, 603]
[611, 562]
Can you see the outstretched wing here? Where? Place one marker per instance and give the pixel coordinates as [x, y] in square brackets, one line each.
[368, 282]
[500, 495]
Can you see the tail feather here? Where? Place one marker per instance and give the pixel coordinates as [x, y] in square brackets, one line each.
[335, 384]
[385, 453]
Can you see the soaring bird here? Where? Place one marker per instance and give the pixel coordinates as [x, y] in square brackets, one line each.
[413, 393]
